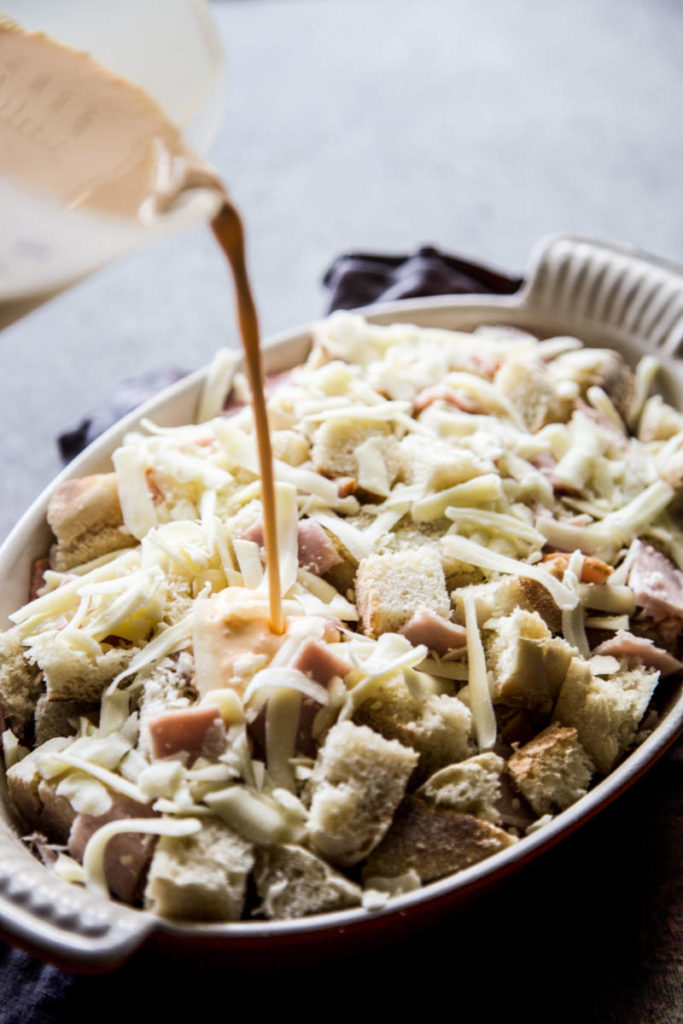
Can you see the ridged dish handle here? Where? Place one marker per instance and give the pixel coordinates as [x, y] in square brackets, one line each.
[610, 289]
[61, 923]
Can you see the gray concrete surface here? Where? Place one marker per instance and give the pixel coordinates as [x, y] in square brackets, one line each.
[381, 124]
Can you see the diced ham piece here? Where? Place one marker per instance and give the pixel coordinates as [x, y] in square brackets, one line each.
[435, 632]
[304, 744]
[656, 583]
[197, 731]
[316, 551]
[127, 856]
[255, 534]
[592, 569]
[625, 645]
[37, 576]
[316, 660]
[460, 399]
[346, 486]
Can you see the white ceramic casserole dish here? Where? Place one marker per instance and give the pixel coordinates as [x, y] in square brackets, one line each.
[606, 295]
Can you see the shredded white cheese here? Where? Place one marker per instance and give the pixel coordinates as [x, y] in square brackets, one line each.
[475, 554]
[485, 726]
[93, 858]
[217, 384]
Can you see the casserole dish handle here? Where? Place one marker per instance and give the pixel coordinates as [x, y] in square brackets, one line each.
[61, 923]
[610, 290]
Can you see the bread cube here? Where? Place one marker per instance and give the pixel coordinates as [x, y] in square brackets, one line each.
[606, 712]
[437, 726]
[437, 465]
[85, 517]
[501, 597]
[293, 882]
[36, 799]
[21, 683]
[200, 877]
[358, 781]
[336, 441]
[433, 841]
[289, 446]
[533, 394]
[71, 674]
[60, 717]
[527, 664]
[553, 770]
[471, 787]
[391, 588]
[408, 534]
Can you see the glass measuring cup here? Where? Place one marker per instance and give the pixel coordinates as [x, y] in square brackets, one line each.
[172, 51]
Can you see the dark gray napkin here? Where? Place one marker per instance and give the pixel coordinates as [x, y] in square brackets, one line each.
[357, 278]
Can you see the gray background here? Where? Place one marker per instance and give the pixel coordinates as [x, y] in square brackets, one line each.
[480, 127]
[381, 124]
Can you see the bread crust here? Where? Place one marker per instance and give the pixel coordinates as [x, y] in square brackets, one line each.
[433, 841]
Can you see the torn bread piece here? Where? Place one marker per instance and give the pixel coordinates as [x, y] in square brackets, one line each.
[471, 787]
[437, 726]
[36, 799]
[528, 665]
[71, 673]
[533, 393]
[606, 711]
[21, 683]
[552, 771]
[358, 781]
[85, 517]
[434, 841]
[293, 882]
[501, 597]
[200, 877]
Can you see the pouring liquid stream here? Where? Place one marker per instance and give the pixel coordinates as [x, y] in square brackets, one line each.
[73, 130]
[229, 232]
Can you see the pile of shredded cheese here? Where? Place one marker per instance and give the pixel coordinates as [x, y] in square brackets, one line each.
[493, 447]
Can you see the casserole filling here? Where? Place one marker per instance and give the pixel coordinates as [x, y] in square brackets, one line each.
[480, 557]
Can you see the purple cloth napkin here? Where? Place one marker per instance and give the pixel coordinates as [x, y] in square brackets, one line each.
[125, 397]
[357, 278]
